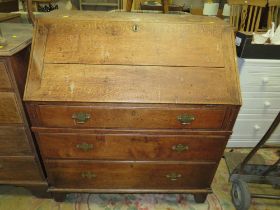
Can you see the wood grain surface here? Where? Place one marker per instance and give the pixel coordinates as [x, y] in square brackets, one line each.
[114, 116]
[9, 111]
[5, 82]
[14, 141]
[127, 58]
[19, 169]
[137, 146]
[132, 175]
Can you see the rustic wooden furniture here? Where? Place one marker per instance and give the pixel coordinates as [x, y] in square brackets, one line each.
[176, 8]
[164, 6]
[245, 15]
[8, 16]
[100, 5]
[273, 12]
[120, 103]
[8, 5]
[19, 163]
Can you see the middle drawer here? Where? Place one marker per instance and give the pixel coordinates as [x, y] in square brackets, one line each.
[146, 117]
[131, 146]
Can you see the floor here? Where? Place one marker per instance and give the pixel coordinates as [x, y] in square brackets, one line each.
[12, 198]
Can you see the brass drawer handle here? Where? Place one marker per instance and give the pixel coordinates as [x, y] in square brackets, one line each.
[185, 119]
[180, 148]
[84, 146]
[81, 117]
[88, 175]
[173, 176]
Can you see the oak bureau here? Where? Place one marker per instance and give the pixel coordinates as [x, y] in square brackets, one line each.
[19, 162]
[131, 103]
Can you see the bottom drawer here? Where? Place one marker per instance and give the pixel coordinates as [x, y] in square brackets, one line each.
[19, 169]
[129, 175]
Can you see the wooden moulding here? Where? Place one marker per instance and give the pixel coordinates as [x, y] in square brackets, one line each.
[69, 190]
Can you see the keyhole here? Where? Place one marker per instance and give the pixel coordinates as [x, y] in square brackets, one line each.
[135, 28]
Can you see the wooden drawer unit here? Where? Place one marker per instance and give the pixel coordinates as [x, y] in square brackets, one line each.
[129, 175]
[114, 108]
[115, 116]
[18, 169]
[19, 161]
[260, 86]
[14, 141]
[5, 81]
[131, 146]
[9, 111]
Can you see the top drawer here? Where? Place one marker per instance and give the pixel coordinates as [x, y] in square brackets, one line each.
[4, 79]
[117, 116]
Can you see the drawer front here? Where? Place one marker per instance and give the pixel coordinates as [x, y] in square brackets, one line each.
[272, 68]
[9, 112]
[13, 141]
[128, 175]
[19, 169]
[251, 128]
[131, 147]
[260, 79]
[262, 103]
[5, 82]
[135, 117]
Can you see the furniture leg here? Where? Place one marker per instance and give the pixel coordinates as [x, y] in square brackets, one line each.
[200, 197]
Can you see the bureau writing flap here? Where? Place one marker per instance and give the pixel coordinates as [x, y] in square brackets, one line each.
[125, 57]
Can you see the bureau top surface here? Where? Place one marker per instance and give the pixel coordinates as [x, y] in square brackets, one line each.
[132, 58]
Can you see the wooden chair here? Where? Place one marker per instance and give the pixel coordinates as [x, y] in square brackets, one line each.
[163, 2]
[273, 12]
[245, 15]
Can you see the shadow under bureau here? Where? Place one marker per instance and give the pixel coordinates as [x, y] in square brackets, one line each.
[132, 103]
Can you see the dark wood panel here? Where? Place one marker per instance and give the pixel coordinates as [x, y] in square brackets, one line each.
[19, 169]
[131, 146]
[134, 175]
[18, 68]
[131, 117]
[5, 82]
[14, 141]
[9, 6]
[9, 111]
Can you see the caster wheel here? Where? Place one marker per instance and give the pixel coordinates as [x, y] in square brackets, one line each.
[240, 195]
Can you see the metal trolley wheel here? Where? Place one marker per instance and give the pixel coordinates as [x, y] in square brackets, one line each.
[240, 195]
